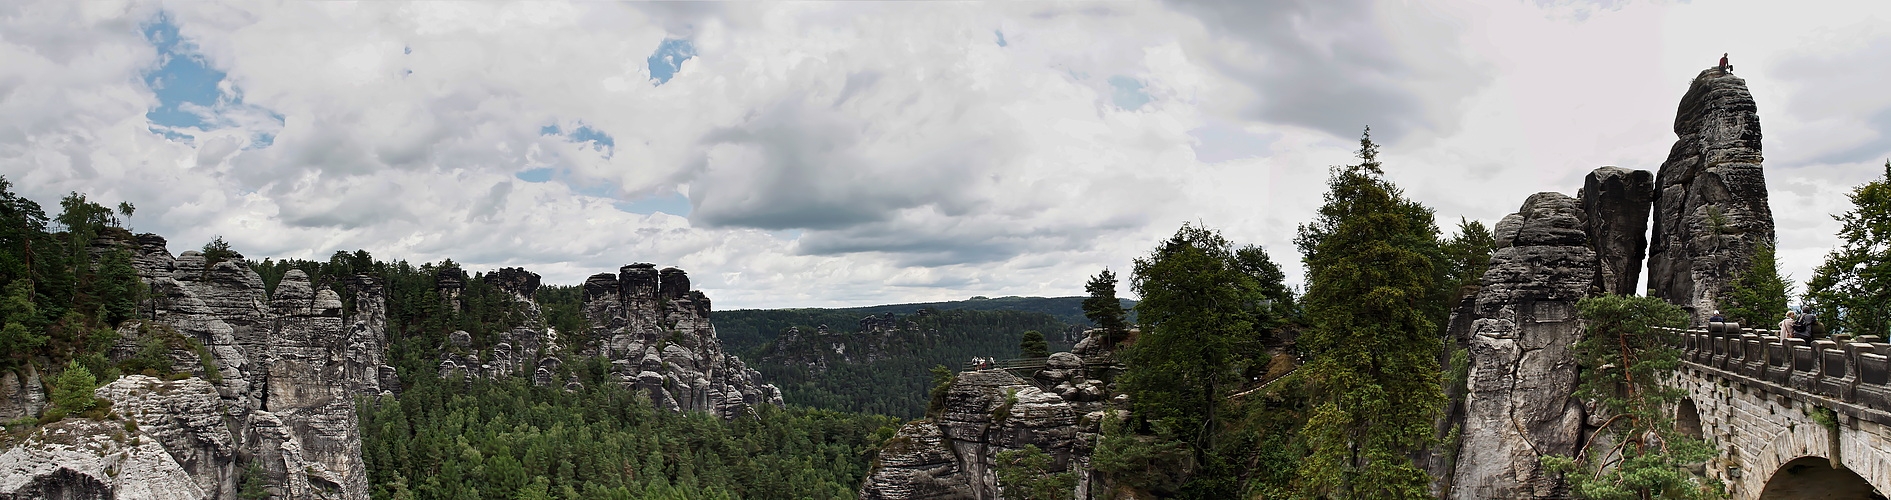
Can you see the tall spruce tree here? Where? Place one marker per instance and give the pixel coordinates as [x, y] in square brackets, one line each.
[1760, 294]
[1374, 309]
[1193, 318]
[1852, 290]
[1104, 309]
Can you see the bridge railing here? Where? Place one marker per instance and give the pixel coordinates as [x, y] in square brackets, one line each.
[1033, 364]
[1850, 371]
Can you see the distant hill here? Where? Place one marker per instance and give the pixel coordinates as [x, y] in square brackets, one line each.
[877, 359]
[744, 330]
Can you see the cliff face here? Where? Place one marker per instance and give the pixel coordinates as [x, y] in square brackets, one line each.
[658, 337]
[1616, 202]
[286, 368]
[1519, 403]
[1711, 208]
[954, 454]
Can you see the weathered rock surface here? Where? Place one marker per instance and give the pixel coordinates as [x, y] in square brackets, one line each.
[80, 458]
[184, 418]
[658, 338]
[1520, 402]
[1711, 209]
[986, 412]
[1616, 202]
[21, 394]
[287, 368]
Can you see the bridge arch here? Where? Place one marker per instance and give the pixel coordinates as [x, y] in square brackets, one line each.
[1687, 419]
[1814, 477]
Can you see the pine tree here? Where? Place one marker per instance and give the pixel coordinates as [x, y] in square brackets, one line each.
[72, 391]
[1852, 290]
[1374, 308]
[1032, 345]
[1467, 253]
[1759, 294]
[1625, 355]
[1104, 309]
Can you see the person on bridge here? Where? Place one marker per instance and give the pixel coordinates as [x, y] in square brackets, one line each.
[1786, 326]
[1717, 318]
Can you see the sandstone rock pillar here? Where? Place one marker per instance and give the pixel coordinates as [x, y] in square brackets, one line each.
[1711, 207]
[1520, 404]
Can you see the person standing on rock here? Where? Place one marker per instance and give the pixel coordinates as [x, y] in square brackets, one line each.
[1724, 67]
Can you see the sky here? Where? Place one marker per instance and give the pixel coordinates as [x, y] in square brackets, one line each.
[811, 154]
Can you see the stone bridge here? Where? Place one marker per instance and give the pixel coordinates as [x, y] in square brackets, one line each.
[1793, 420]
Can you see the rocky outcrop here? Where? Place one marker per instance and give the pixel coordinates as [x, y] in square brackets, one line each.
[986, 412]
[1616, 202]
[1711, 209]
[953, 453]
[659, 339]
[1522, 379]
[182, 416]
[80, 458]
[20, 393]
[287, 366]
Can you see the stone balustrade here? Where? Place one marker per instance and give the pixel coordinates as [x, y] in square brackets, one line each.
[1852, 372]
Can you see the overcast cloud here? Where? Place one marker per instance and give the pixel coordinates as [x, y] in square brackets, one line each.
[853, 153]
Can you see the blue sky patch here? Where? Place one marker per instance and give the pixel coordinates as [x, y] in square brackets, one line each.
[669, 57]
[599, 141]
[1127, 92]
[535, 175]
[189, 96]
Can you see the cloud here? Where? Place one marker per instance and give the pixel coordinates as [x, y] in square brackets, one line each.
[1338, 66]
[799, 153]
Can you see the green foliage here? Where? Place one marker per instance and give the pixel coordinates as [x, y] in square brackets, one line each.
[813, 371]
[72, 390]
[1375, 306]
[217, 251]
[745, 331]
[1625, 358]
[1467, 254]
[1760, 294]
[1158, 463]
[942, 379]
[1194, 319]
[1025, 474]
[253, 483]
[1103, 309]
[1852, 289]
[1032, 345]
[508, 439]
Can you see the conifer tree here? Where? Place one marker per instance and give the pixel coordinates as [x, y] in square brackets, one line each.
[1759, 296]
[1852, 290]
[1104, 309]
[1194, 316]
[1373, 306]
[1033, 345]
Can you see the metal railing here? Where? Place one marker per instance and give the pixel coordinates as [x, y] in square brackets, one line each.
[1033, 364]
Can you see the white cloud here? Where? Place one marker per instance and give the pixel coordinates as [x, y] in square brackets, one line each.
[857, 153]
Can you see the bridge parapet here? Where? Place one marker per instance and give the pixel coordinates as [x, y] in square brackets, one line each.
[1852, 372]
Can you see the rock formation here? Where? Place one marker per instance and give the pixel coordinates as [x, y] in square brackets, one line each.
[1616, 202]
[658, 337]
[1711, 207]
[952, 455]
[273, 380]
[88, 459]
[1520, 403]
